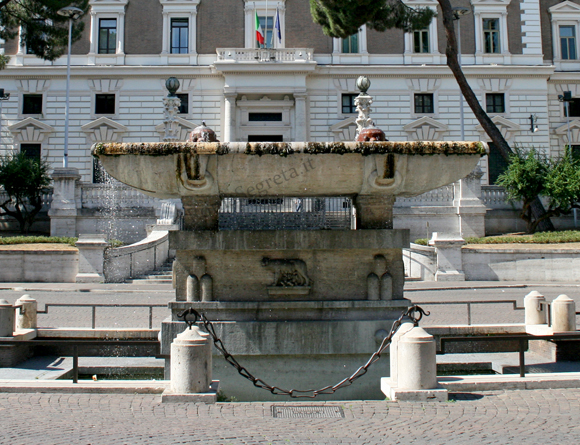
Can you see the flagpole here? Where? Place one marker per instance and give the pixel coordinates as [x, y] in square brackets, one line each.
[266, 20]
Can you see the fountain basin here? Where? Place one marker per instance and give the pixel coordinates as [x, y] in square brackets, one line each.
[236, 169]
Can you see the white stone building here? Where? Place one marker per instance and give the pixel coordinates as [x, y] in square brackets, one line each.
[518, 56]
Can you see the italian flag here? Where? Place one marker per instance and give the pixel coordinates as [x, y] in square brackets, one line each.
[259, 32]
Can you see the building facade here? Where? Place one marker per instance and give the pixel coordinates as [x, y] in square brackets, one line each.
[518, 55]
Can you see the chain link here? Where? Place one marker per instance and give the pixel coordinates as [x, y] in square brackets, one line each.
[413, 313]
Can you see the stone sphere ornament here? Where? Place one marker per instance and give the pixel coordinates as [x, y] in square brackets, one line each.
[363, 84]
[172, 85]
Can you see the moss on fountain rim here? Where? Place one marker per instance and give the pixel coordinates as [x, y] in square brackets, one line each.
[289, 148]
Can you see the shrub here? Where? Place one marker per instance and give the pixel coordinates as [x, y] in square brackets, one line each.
[24, 180]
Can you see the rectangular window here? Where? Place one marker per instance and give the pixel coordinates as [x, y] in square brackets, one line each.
[265, 138]
[568, 42]
[265, 117]
[350, 44]
[495, 103]
[184, 107]
[421, 41]
[348, 105]
[104, 104]
[267, 24]
[491, 36]
[424, 104]
[107, 36]
[496, 164]
[32, 104]
[179, 36]
[32, 151]
[574, 108]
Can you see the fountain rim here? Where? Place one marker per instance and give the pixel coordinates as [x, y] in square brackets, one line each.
[283, 149]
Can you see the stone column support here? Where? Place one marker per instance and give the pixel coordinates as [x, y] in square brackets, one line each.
[535, 309]
[229, 133]
[201, 212]
[6, 319]
[191, 367]
[301, 124]
[563, 311]
[374, 211]
[91, 258]
[468, 205]
[449, 258]
[26, 314]
[63, 209]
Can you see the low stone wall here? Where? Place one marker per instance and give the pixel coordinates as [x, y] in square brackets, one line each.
[508, 263]
[134, 260]
[44, 266]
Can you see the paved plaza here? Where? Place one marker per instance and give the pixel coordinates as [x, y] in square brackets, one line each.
[500, 417]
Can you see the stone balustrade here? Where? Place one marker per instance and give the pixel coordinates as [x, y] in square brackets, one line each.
[265, 55]
[442, 196]
[95, 196]
[495, 197]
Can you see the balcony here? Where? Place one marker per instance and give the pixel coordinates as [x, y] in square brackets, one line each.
[273, 55]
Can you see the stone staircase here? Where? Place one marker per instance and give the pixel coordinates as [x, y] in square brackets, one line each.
[159, 276]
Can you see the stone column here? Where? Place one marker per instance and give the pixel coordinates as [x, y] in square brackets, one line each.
[374, 211]
[563, 314]
[229, 133]
[26, 315]
[6, 319]
[468, 205]
[449, 259]
[201, 212]
[63, 209]
[534, 309]
[91, 258]
[301, 125]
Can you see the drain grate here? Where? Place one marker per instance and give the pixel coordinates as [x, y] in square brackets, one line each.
[308, 411]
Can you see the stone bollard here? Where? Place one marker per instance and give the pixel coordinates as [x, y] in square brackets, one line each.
[26, 315]
[535, 312]
[417, 365]
[6, 319]
[563, 314]
[416, 369]
[191, 366]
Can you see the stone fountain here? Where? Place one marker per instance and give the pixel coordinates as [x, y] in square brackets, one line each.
[301, 308]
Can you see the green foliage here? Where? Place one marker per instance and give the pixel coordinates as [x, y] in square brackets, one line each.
[568, 236]
[38, 240]
[44, 32]
[531, 174]
[25, 181]
[343, 18]
[422, 241]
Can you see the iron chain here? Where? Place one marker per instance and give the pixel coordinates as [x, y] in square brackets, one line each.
[414, 314]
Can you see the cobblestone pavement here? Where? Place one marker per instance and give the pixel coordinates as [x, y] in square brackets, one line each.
[507, 417]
